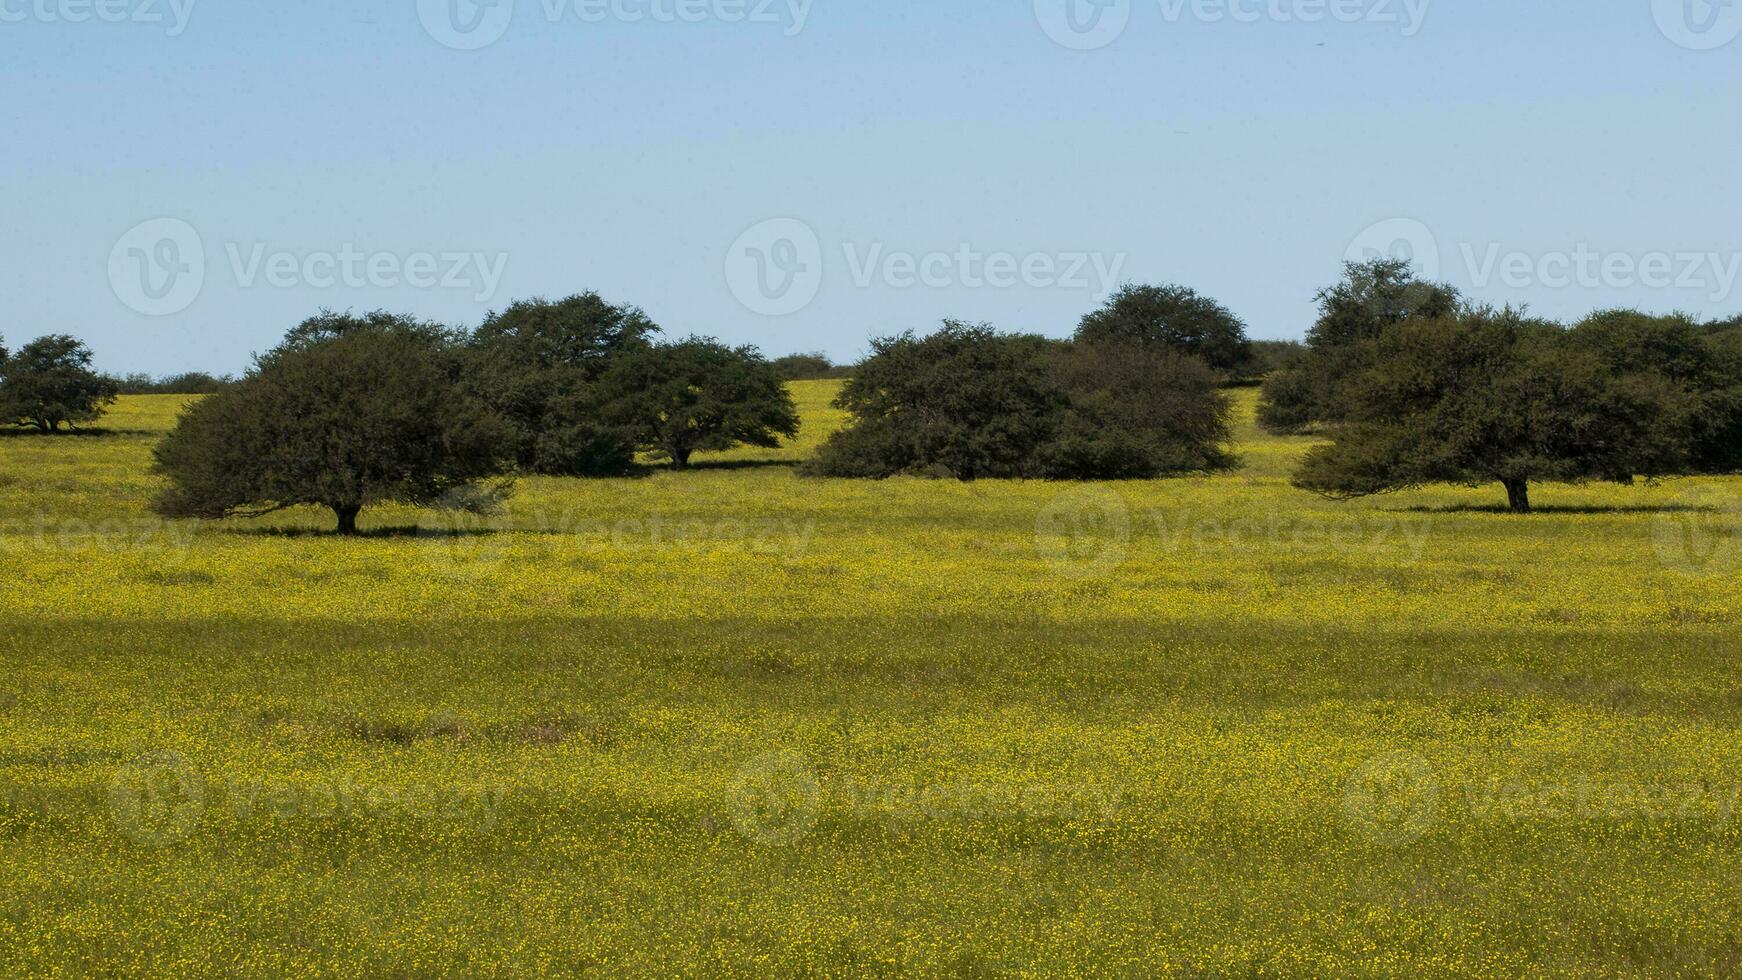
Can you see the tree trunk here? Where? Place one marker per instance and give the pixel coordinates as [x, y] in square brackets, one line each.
[347, 515]
[680, 459]
[1518, 496]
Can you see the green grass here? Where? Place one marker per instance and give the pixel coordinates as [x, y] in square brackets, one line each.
[734, 721]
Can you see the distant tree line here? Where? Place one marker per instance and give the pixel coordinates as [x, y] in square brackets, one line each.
[810, 367]
[1406, 383]
[186, 383]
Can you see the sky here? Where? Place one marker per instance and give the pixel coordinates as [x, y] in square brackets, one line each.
[185, 180]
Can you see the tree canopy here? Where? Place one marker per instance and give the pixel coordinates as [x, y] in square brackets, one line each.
[969, 402]
[537, 363]
[697, 394]
[1489, 396]
[1171, 318]
[348, 412]
[1704, 362]
[1370, 297]
[48, 383]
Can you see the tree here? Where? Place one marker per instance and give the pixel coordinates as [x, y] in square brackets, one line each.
[966, 402]
[1721, 410]
[348, 412]
[697, 394]
[1704, 362]
[970, 403]
[49, 383]
[1172, 318]
[1370, 297]
[1134, 413]
[1491, 397]
[536, 364]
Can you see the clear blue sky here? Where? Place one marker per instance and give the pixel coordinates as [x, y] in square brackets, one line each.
[1240, 158]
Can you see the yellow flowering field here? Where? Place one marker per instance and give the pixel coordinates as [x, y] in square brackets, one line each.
[736, 722]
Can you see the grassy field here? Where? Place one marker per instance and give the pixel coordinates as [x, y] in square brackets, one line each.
[733, 721]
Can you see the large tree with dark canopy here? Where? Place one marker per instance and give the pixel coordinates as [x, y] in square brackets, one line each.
[348, 412]
[49, 383]
[537, 364]
[1370, 297]
[1170, 318]
[969, 402]
[697, 394]
[1703, 361]
[1134, 413]
[966, 402]
[1493, 397]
